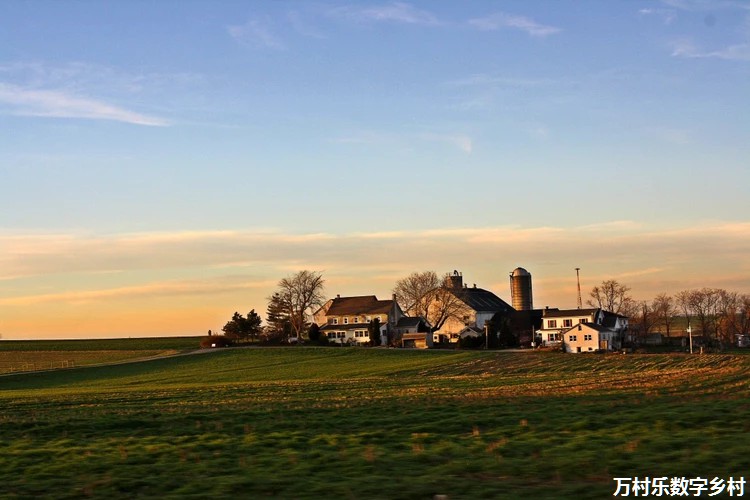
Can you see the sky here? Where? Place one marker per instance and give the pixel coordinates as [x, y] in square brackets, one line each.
[164, 164]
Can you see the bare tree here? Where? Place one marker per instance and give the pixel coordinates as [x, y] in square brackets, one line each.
[744, 320]
[663, 307]
[300, 293]
[414, 293]
[446, 304]
[426, 295]
[642, 320]
[612, 296]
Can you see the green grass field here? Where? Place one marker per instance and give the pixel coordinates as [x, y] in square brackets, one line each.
[34, 355]
[372, 423]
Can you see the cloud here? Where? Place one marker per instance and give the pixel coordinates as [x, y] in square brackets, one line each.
[255, 34]
[500, 20]
[704, 5]
[687, 49]
[61, 104]
[667, 15]
[175, 288]
[483, 79]
[396, 12]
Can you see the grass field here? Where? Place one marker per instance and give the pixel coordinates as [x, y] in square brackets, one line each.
[32, 355]
[372, 423]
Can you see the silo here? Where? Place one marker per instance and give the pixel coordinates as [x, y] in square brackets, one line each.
[520, 289]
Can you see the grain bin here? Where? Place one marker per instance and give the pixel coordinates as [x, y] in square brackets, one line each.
[520, 289]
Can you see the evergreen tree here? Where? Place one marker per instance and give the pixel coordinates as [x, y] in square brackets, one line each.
[277, 316]
[374, 331]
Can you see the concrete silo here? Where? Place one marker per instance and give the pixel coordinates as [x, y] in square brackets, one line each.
[520, 289]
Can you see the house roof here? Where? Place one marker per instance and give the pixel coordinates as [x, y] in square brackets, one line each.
[409, 322]
[610, 318]
[471, 331]
[591, 326]
[480, 299]
[567, 313]
[365, 304]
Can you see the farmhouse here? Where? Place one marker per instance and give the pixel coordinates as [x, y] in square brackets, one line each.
[589, 337]
[582, 330]
[346, 320]
[556, 321]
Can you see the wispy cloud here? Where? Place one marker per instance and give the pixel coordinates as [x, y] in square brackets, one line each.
[502, 20]
[484, 79]
[396, 12]
[172, 288]
[687, 49]
[704, 5]
[22, 101]
[256, 33]
[666, 15]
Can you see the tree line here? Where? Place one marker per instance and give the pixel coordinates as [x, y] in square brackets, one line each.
[716, 314]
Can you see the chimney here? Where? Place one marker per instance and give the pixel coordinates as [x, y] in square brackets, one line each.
[338, 296]
[455, 280]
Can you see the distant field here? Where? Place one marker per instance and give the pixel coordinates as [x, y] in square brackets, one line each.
[19, 356]
[372, 423]
[130, 344]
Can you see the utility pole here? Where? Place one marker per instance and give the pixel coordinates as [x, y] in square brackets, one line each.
[578, 280]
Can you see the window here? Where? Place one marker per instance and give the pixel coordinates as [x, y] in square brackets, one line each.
[331, 335]
[346, 321]
[587, 336]
[368, 319]
[340, 335]
[335, 321]
[553, 337]
[583, 320]
[356, 319]
[551, 323]
[573, 338]
[567, 323]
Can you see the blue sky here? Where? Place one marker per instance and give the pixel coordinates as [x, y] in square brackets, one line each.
[156, 151]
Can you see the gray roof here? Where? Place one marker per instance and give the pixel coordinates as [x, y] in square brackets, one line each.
[409, 322]
[566, 313]
[482, 300]
[592, 326]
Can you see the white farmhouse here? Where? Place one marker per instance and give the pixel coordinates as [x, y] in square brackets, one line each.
[346, 320]
[589, 337]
